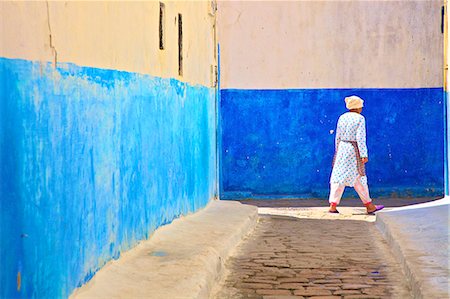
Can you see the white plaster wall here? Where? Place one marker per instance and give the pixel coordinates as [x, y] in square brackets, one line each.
[330, 44]
[447, 46]
[112, 35]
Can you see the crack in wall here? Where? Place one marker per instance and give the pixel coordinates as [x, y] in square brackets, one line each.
[52, 47]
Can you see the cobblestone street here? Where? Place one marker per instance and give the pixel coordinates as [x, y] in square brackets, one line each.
[307, 253]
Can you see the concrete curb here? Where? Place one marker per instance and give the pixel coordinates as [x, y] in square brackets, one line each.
[425, 267]
[181, 260]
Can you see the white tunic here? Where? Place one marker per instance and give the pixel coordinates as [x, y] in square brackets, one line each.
[351, 127]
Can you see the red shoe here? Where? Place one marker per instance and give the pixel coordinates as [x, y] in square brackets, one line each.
[377, 208]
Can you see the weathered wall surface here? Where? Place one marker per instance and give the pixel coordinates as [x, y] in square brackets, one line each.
[106, 147]
[330, 44]
[447, 97]
[112, 35]
[281, 142]
[285, 70]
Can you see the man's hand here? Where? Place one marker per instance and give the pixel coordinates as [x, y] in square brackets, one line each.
[365, 160]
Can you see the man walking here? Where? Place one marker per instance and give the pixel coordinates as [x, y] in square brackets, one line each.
[350, 157]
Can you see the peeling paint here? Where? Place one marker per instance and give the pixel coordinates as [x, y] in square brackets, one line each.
[93, 161]
[19, 281]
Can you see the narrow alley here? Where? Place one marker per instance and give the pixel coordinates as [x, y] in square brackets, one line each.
[224, 149]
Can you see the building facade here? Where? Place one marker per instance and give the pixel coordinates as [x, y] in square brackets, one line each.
[285, 70]
[107, 131]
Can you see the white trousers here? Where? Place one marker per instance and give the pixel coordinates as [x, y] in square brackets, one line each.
[336, 191]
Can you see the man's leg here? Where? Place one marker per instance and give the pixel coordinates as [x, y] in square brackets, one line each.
[336, 191]
[363, 191]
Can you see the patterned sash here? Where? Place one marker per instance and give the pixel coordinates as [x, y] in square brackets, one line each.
[359, 164]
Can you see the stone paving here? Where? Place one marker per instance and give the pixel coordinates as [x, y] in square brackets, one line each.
[308, 253]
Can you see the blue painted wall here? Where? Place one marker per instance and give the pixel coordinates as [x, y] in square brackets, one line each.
[277, 143]
[92, 161]
[446, 140]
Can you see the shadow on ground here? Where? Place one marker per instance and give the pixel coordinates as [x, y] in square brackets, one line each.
[317, 202]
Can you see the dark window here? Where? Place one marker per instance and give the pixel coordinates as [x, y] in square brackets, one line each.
[161, 25]
[180, 45]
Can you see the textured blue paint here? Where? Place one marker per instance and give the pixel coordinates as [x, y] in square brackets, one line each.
[446, 142]
[277, 143]
[219, 125]
[92, 161]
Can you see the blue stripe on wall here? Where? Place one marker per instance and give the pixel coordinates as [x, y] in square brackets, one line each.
[446, 142]
[277, 143]
[92, 161]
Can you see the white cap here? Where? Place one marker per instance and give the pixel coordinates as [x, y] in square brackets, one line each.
[354, 102]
